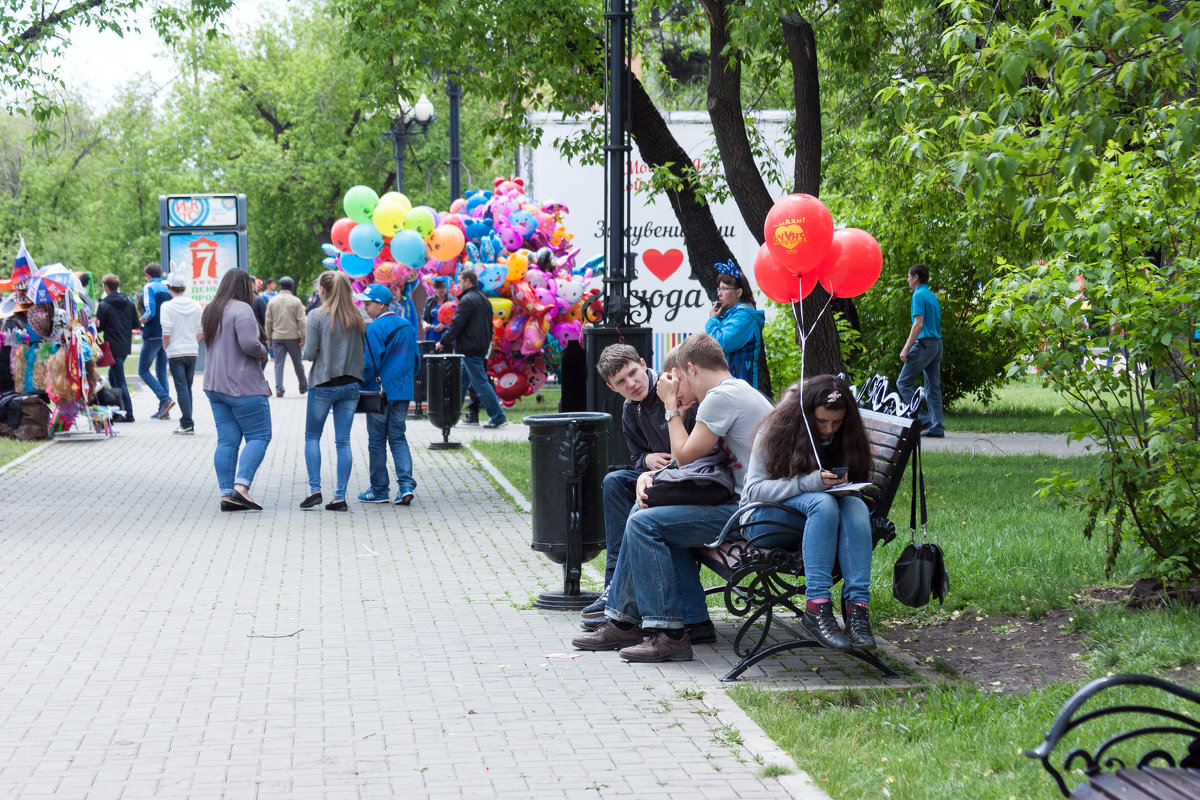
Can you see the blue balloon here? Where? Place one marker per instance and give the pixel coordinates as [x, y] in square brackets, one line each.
[365, 240]
[356, 266]
[329, 249]
[408, 248]
[329, 262]
[492, 278]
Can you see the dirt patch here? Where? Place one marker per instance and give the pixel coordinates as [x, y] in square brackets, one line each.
[1000, 653]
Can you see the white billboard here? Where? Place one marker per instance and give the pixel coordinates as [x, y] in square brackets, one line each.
[662, 274]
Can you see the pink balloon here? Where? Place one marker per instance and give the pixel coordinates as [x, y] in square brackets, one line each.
[853, 265]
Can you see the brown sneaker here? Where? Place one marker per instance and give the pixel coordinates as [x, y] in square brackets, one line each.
[659, 647]
[607, 636]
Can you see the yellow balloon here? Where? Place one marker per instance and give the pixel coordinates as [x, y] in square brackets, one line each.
[518, 264]
[397, 197]
[389, 216]
[501, 308]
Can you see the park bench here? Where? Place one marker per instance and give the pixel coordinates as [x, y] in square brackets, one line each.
[765, 583]
[1172, 774]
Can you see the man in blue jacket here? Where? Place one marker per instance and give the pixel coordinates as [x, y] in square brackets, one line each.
[390, 361]
[154, 296]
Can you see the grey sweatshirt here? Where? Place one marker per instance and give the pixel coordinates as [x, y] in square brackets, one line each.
[760, 486]
[233, 366]
[333, 351]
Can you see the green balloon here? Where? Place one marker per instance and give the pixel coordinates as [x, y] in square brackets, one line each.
[421, 220]
[360, 202]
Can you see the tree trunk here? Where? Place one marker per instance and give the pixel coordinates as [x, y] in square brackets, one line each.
[702, 239]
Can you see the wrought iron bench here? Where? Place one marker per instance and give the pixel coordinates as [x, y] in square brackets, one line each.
[762, 583]
[1159, 773]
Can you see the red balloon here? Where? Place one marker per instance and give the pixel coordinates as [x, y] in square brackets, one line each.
[853, 265]
[798, 231]
[775, 281]
[340, 233]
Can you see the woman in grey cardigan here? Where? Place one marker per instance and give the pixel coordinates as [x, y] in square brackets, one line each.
[236, 388]
[333, 341]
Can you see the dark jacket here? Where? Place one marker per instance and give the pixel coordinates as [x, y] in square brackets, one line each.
[644, 424]
[154, 296]
[391, 354]
[117, 316]
[471, 329]
[260, 310]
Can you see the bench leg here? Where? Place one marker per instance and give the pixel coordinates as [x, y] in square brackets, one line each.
[755, 656]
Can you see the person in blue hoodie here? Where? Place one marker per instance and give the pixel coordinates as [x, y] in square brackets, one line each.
[390, 362]
[154, 295]
[736, 324]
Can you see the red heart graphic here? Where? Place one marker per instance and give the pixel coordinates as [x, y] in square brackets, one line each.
[663, 265]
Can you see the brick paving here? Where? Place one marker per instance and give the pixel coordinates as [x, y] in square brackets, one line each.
[152, 646]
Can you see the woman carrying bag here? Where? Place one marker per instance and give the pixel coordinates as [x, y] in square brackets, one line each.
[236, 388]
[810, 444]
[333, 341]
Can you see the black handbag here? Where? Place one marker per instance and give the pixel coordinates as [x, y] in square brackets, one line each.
[920, 572]
[371, 402]
[707, 481]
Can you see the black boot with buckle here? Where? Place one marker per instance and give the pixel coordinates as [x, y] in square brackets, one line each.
[858, 625]
[818, 621]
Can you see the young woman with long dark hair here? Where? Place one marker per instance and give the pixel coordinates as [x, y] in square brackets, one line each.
[236, 388]
[800, 452]
[333, 341]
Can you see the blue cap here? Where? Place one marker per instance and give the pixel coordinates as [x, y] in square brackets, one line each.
[376, 293]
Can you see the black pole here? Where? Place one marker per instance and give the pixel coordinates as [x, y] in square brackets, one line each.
[454, 92]
[617, 149]
[398, 133]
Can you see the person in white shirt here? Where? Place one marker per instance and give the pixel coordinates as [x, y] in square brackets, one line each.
[181, 340]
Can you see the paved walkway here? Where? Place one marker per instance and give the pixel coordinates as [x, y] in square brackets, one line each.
[152, 646]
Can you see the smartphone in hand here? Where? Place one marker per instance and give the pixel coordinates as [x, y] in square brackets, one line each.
[839, 471]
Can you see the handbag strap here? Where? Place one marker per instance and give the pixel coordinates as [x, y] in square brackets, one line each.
[371, 353]
[918, 474]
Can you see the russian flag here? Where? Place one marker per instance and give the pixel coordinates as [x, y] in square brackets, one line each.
[23, 265]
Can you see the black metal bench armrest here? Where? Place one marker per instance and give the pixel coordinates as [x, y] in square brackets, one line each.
[1094, 761]
[741, 522]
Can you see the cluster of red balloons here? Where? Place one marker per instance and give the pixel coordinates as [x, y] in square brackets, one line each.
[802, 249]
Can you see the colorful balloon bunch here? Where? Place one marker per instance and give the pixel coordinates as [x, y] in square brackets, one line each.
[802, 249]
[520, 250]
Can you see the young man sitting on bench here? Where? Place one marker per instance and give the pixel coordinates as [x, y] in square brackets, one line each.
[650, 586]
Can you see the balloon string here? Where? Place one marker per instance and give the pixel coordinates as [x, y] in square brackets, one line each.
[799, 317]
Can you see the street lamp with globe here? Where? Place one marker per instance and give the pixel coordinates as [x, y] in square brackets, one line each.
[418, 117]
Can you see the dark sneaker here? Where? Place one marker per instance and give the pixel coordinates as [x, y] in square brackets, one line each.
[337, 505]
[184, 431]
[607, 636]
[824, 628]
[372, 496]
[494, 425]
[471, 421]
[592, 624]
[702, 632]
[658, 648]
[858, 627]
[312, 501]
[406, 497]
[164, 410]
[596, 609]
[934, 434]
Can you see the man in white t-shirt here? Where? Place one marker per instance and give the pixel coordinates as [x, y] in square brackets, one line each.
[656, 575]
[181, 339]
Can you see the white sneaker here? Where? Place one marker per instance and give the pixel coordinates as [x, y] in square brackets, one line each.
[184, 431]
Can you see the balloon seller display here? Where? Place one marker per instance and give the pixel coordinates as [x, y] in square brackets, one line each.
[520, 249]
[801, 249]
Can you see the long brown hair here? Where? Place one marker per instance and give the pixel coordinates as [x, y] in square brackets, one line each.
[236, 284]
[788, 450]
[339, 302]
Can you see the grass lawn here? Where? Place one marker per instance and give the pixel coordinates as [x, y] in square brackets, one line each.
[1008, 552]
[12, 449]
[1021, 405]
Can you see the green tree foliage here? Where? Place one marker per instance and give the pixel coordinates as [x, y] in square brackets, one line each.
[1079, 119]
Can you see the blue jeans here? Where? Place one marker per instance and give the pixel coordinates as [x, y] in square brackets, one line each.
[390, 428]
[837, 529]
[116, 379]
[321, 399]
[183, 369]
[153, 355]
[924, 357]
[239, 418]
[657, 582]
[475, 376]
[620, 493]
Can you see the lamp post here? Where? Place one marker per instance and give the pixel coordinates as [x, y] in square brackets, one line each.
[420, 117]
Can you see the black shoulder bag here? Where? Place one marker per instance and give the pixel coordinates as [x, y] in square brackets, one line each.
[920, 572]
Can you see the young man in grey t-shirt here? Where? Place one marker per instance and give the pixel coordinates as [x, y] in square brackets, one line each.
[648, 590]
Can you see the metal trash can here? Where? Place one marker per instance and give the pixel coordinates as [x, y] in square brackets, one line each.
[420, 385]
[443, 384]
[568, 456]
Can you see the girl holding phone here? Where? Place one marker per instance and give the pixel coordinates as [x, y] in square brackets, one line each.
[815, 426]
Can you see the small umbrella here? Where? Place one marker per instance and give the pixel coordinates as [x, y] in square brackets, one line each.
[51, 283]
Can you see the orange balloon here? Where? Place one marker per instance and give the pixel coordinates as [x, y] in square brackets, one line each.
[445, 242]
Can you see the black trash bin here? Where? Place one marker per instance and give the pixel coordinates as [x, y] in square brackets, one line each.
[443, 385]
[568, 456]
[419, 383]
